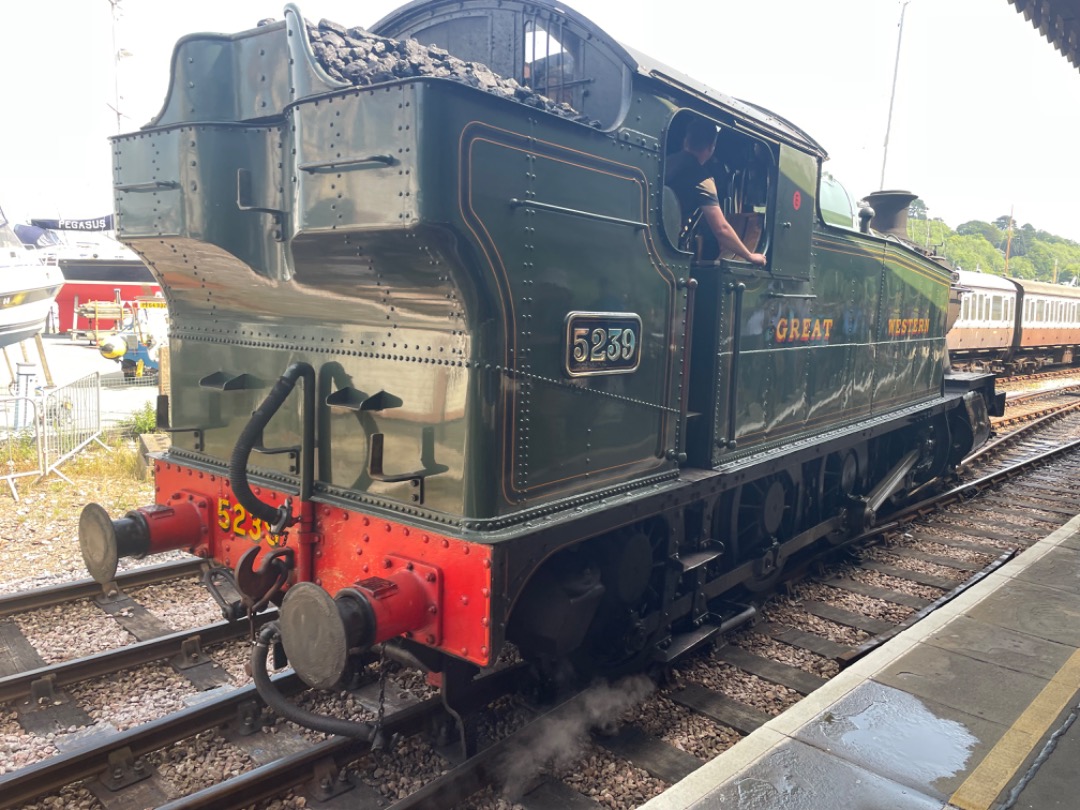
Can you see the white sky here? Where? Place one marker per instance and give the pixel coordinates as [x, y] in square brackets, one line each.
[986, 118]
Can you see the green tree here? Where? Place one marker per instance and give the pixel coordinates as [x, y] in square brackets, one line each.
[984, 229]
[973, 252]
[1022, 267]
[931, 234]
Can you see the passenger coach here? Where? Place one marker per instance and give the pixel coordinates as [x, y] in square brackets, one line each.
[1014, 325]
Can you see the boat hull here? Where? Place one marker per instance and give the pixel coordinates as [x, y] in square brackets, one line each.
[100, 280]
[23, 312]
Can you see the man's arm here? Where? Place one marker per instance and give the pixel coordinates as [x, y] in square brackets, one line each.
[727, 237]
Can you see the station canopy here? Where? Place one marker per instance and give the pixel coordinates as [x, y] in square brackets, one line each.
[1058, 21]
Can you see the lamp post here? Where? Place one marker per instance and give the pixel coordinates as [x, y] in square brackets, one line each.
[892, 96]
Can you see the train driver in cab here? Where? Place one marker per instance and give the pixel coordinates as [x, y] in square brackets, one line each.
[688, 176]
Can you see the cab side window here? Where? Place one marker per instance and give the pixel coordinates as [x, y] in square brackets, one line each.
[742, 170]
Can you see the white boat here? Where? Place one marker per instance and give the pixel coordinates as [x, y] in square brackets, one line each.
[28, 288]
[96, 267]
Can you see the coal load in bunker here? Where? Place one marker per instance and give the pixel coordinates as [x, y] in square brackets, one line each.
[452, 369]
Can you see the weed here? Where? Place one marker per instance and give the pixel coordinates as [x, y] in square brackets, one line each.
[21, 452]
[120, 462]
[144, 420]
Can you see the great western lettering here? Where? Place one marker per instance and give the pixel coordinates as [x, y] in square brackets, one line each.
[803, 330]
[908, 327]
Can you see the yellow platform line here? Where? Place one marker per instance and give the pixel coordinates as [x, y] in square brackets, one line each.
[983, 785]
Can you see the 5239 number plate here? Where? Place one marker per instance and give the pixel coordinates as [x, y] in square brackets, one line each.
[232, 517]
[602, 343]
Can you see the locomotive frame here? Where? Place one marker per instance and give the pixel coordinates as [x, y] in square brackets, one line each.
[508, 404]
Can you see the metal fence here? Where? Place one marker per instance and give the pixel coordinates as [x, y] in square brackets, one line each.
[39, 433]
[21, 440]
[70, 420]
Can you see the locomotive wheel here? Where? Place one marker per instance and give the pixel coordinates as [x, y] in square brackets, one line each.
[760, 511]
[767, 570]
[760, 514]
[841, 483]
[937, 442]
[627, 626]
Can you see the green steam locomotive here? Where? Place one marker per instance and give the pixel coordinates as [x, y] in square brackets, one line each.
[450, 367]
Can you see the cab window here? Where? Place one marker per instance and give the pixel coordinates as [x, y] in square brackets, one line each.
[742, 170]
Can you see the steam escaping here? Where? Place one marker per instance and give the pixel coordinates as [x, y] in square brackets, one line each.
[557, 741]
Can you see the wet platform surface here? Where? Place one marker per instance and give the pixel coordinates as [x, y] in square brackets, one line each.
[972, 709]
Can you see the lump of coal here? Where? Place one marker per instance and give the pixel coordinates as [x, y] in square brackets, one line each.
[353, 55]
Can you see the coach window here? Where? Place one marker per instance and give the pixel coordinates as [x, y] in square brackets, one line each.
[995, 308]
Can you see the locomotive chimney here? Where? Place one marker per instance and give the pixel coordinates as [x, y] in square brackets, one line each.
[890, 211]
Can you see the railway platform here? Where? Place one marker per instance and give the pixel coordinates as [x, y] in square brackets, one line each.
[972, 708]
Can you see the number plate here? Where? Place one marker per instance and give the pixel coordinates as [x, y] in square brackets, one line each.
[602, 343]
[232, 517]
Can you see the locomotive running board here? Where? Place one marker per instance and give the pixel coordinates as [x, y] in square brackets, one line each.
[682, 643]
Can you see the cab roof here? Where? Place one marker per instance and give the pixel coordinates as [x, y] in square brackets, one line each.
[421, 14]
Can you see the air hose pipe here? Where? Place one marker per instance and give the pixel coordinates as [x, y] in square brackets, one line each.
[278, 517]
[277, 701]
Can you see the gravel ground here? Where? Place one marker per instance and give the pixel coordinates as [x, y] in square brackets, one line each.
[910, 564]
[897, 584]
[857, 603]
[71, 631]
[794, 616]
[199, 762]
[942, 531]
[70, 798]
[610, 781]
[999, 520]
[181, 604]
[952, 552]
[786, 654]
[17, 748]
[749, 689]
[39, 533]
[138, 697]
[682, 728]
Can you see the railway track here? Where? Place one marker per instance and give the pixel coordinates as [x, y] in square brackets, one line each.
[843, 605]
[1070, 371]
[36, 686]
[1026, 405]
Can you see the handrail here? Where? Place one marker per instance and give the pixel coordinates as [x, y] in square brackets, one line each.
[558, 209]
